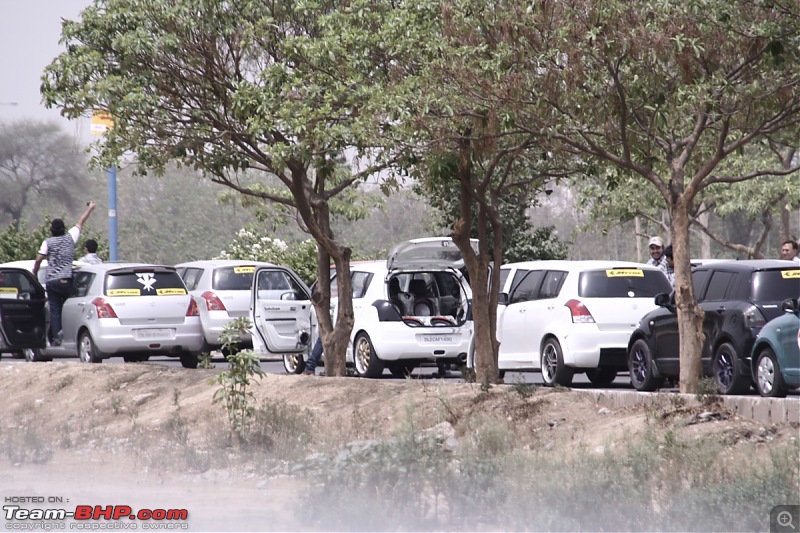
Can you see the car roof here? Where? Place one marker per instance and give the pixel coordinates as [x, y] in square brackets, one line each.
[213, 263]
[368, 266]
[107, 267]
[577, 266]
[748, 265]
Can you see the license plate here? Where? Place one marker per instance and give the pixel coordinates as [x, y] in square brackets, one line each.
[153, 333]
[437, 339]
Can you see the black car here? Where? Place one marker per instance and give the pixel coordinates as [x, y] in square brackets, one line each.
[22, 311]
[739, 298]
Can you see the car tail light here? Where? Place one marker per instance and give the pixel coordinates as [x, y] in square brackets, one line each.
[753, 318]
[103, 308]
[213, 303]
[193, 309]
[580, 315]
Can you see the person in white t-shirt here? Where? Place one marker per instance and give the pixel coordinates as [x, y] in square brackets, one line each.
[789, 251]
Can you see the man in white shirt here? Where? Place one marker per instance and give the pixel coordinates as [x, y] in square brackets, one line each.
[789, 251]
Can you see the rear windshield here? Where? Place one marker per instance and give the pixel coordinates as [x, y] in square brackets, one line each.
[233, 278]
[622, 283]
[144, 283]
[775, 285]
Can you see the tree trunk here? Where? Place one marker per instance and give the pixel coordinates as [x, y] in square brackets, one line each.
[690, 315]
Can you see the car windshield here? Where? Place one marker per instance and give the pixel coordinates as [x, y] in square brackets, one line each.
[622, 283]
[233, 278]
[144, 283]
[775, 285]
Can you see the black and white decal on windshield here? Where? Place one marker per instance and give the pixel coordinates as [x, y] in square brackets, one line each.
[147, 280]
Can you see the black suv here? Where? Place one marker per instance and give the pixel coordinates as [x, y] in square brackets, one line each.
[739, 298]
[22, 311]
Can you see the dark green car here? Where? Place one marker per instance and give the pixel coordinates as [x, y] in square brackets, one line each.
[776, 353]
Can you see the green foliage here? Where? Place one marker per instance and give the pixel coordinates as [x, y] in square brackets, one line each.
[18, 243]
[234, 383]
[251, 244]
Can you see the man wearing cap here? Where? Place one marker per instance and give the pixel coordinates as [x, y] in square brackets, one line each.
[656, 246]
[60, 253]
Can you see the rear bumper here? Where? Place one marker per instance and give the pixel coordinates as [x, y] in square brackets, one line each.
[583, 348]
[117, 339]
[403, 342]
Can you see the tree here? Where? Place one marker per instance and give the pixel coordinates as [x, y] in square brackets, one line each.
[226, 88]
[38, 163]
[666, 91]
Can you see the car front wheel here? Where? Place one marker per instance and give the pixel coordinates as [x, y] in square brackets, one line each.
[554, 371]
[367, 363]
[642, 368]
[189, 359]
[602, 376]
[769, 381]
[87, 349]
[294, 363]
[726, 369]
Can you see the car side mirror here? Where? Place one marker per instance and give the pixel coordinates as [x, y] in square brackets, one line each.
[790, 305]
[667, 300]
[502, 298]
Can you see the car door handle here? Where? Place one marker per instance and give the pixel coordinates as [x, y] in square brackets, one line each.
[720, 309]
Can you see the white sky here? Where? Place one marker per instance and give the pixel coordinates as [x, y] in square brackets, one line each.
[29, 35]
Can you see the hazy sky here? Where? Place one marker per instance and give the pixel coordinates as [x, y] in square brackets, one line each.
[29, 35]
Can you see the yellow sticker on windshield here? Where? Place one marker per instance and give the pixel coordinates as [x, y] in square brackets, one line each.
[244, 270]
[124, 292]
[170, 292]
[790, 274]
[9, 290]
[625, 273]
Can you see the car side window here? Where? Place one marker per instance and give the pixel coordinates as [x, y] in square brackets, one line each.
[718, 286]
[82, 281]
[360, 282]
[504, 272]
[551, 286]
[525, 285]
[191, 276]
[699, 279]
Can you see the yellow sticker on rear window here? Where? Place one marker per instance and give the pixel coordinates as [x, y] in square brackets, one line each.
[9, 290]
[170, 292]
[625, 273]
[244, 270]
[790, 274]
[124, 292]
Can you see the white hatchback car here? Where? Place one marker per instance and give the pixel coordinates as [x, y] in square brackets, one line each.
[412, 309]
[562, 317]
[133, 310]
[221, 288]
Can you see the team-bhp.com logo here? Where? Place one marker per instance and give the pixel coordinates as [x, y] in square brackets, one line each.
[90, 517]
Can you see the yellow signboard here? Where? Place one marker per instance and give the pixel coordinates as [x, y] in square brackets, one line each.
[124, 292]
[102, 121]
[170, 292]
[625, 273]
[790, 274]
[244, 269]
[9, 290]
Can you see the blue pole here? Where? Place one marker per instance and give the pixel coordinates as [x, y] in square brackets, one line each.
[112, 213]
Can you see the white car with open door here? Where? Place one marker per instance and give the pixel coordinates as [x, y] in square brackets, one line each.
[567, 317]
[284, 322]
[413, 309]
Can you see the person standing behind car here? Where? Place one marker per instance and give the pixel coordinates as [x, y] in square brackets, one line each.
[60, 253]
[669, 269]
[91, 253]
[789, 251]
[657, 258]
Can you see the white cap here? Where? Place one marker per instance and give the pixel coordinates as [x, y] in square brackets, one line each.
[656, 241]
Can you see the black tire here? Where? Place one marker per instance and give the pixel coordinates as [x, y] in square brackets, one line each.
[401, 370]
[367, 363]
[189, 359]
[602, 376]
[135, 358]
[294, 363]
[87, 349]
[642, 368]
[554, 371]
[768, 378]
[726, 371]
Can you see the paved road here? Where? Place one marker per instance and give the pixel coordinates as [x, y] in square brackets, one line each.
[424, 373]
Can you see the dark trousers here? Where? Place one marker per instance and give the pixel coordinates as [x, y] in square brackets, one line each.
[58, 290]
[316, 354]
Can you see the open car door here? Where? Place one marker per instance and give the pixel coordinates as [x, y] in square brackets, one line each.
[281, 312]
[22, 310]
